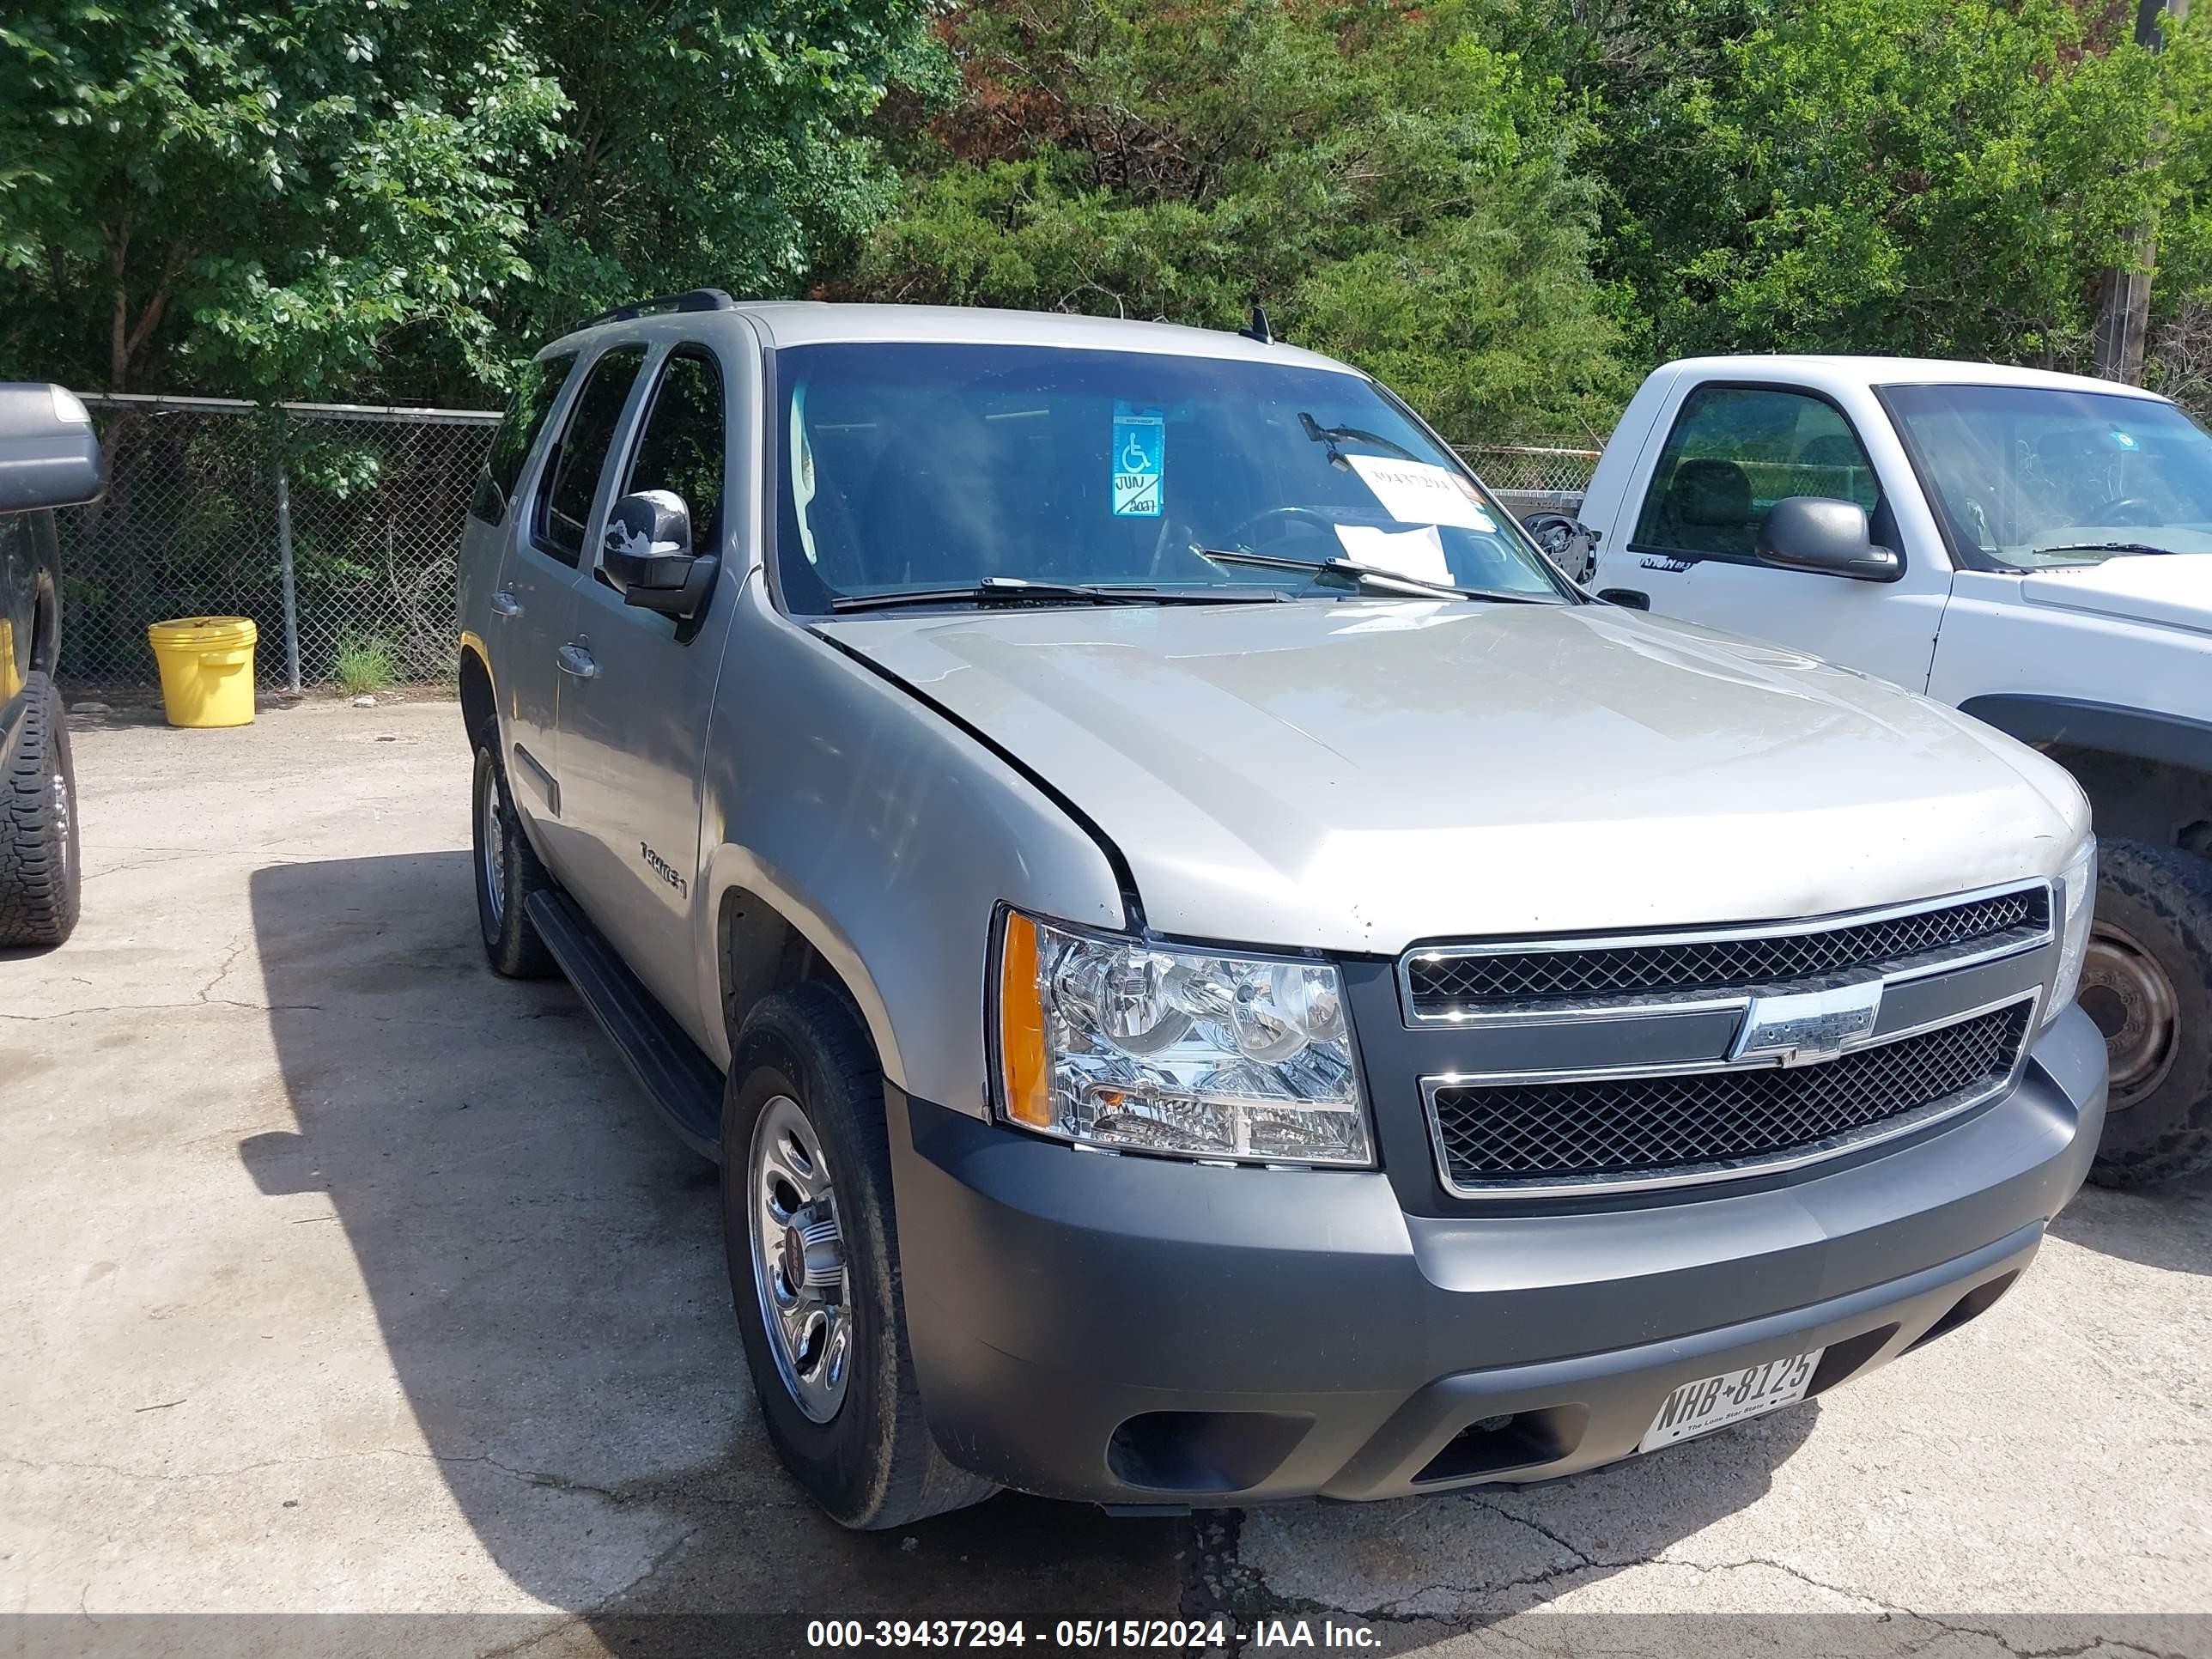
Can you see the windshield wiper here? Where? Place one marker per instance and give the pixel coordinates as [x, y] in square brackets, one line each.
[1333, 435]
[1353, 570]
[1019, 590]
[2101, 547]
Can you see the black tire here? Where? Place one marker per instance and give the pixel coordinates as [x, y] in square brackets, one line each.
[2147, 984]
[508, 872]
[872, 1464]
[40, 891]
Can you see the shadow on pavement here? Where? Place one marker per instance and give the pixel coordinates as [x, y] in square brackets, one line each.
[546, 1274]
[2167, 1227]
[546, 1270]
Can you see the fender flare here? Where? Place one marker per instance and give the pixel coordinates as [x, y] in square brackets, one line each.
[2114, 728]
[734, 869]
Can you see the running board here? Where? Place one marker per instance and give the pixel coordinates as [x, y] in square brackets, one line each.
[676, 1075]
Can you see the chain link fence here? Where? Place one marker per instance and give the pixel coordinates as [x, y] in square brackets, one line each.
[1546, 476]
[334, 528]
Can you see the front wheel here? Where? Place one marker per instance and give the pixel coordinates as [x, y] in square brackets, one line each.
[814, 1266]
[2147, 981]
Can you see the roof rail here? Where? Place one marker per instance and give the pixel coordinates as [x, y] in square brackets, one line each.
[697, 299]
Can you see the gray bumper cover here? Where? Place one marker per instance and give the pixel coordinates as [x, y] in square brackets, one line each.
[1136, 1330]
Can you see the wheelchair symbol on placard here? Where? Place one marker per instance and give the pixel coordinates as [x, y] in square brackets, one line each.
[1139, 456]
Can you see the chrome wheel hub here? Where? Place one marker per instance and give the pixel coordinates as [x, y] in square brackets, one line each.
[493, 856]
[799, 1272]
[2134, 1004]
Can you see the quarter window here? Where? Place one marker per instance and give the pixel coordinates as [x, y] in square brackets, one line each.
[1734, 453]
[682, 448]
[571, 476]
[533, 402]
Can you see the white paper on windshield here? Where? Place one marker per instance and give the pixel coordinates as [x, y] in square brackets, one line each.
[1416, 553]
[1416, 492]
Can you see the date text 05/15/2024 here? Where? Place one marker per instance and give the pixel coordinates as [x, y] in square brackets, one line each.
[1195, 1635]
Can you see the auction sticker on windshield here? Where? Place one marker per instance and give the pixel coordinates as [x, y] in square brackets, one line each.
[1714, 1402]
[1139, 463]
[1418, 492]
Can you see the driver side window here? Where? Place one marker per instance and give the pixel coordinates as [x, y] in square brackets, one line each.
[1734, 453]
[682, 448]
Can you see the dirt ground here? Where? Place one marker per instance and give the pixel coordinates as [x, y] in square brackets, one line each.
[344, 1277]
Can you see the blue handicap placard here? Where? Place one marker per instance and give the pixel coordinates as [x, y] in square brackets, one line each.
[1138, 463]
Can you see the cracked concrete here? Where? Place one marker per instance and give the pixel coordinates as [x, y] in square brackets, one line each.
[342, 1275]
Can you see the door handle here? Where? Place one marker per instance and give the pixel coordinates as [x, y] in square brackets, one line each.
[1632, 599]
[575, 659]
[504, 604]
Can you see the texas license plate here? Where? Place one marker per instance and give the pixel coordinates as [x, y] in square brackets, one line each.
[1714, 1402]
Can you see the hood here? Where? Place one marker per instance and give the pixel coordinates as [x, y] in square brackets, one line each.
[2171, 589]
[1356, 776]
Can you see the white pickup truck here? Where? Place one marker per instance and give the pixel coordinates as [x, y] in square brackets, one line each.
[2032, 549]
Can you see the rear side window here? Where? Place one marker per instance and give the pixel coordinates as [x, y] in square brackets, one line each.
[1734, 453]
[572, 474]
[533, 402]
[681, 449]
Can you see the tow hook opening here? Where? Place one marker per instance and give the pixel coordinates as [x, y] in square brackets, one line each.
[1507, 1441]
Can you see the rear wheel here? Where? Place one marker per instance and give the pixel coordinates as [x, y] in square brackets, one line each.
[814, 1266]
[507, 874]
[39, 882]
[2147, 981]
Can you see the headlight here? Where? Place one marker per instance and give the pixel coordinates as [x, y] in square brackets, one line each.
[1114, 1041]
[2077, 902]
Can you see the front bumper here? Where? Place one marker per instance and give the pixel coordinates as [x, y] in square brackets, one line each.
[1141, 1331]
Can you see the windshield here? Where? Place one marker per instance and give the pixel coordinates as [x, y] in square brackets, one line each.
[907, 468]
[2039, 475]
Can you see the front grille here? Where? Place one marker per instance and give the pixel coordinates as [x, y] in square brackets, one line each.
[1621, 1128]
[1440, 985]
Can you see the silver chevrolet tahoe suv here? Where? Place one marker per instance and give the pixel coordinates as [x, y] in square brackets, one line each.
[1210, 972]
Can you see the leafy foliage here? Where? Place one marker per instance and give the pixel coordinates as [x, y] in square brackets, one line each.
[710, 144]
[1927, 177]
[1391, 186]
[254, 196]
[360, 199]
[1507, 209]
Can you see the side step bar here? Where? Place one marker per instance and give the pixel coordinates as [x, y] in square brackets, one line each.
[676, 1075]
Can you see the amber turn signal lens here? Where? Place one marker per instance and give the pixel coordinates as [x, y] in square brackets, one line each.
[1022, 1058]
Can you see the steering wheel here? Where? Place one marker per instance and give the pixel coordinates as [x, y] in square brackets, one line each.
[1308, 515]
[1565, 541]
[2129, 509]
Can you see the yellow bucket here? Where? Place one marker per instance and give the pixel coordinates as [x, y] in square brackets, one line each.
[207, 669]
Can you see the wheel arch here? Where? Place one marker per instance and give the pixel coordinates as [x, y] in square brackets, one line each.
[2148, 773]
[479, 703]
[767, 939]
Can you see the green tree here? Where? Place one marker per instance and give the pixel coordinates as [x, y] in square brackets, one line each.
[1393, 187]
[1929, 177]
[370, 198]
[718, 145]
[258, 197]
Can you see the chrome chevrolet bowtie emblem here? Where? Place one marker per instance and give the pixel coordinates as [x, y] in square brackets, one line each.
[1808, 1024]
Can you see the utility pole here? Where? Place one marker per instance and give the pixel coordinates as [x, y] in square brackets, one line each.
[2124, 316]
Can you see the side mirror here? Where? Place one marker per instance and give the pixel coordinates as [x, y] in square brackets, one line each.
[646, 553]
[49, 454]
[1827, 538]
